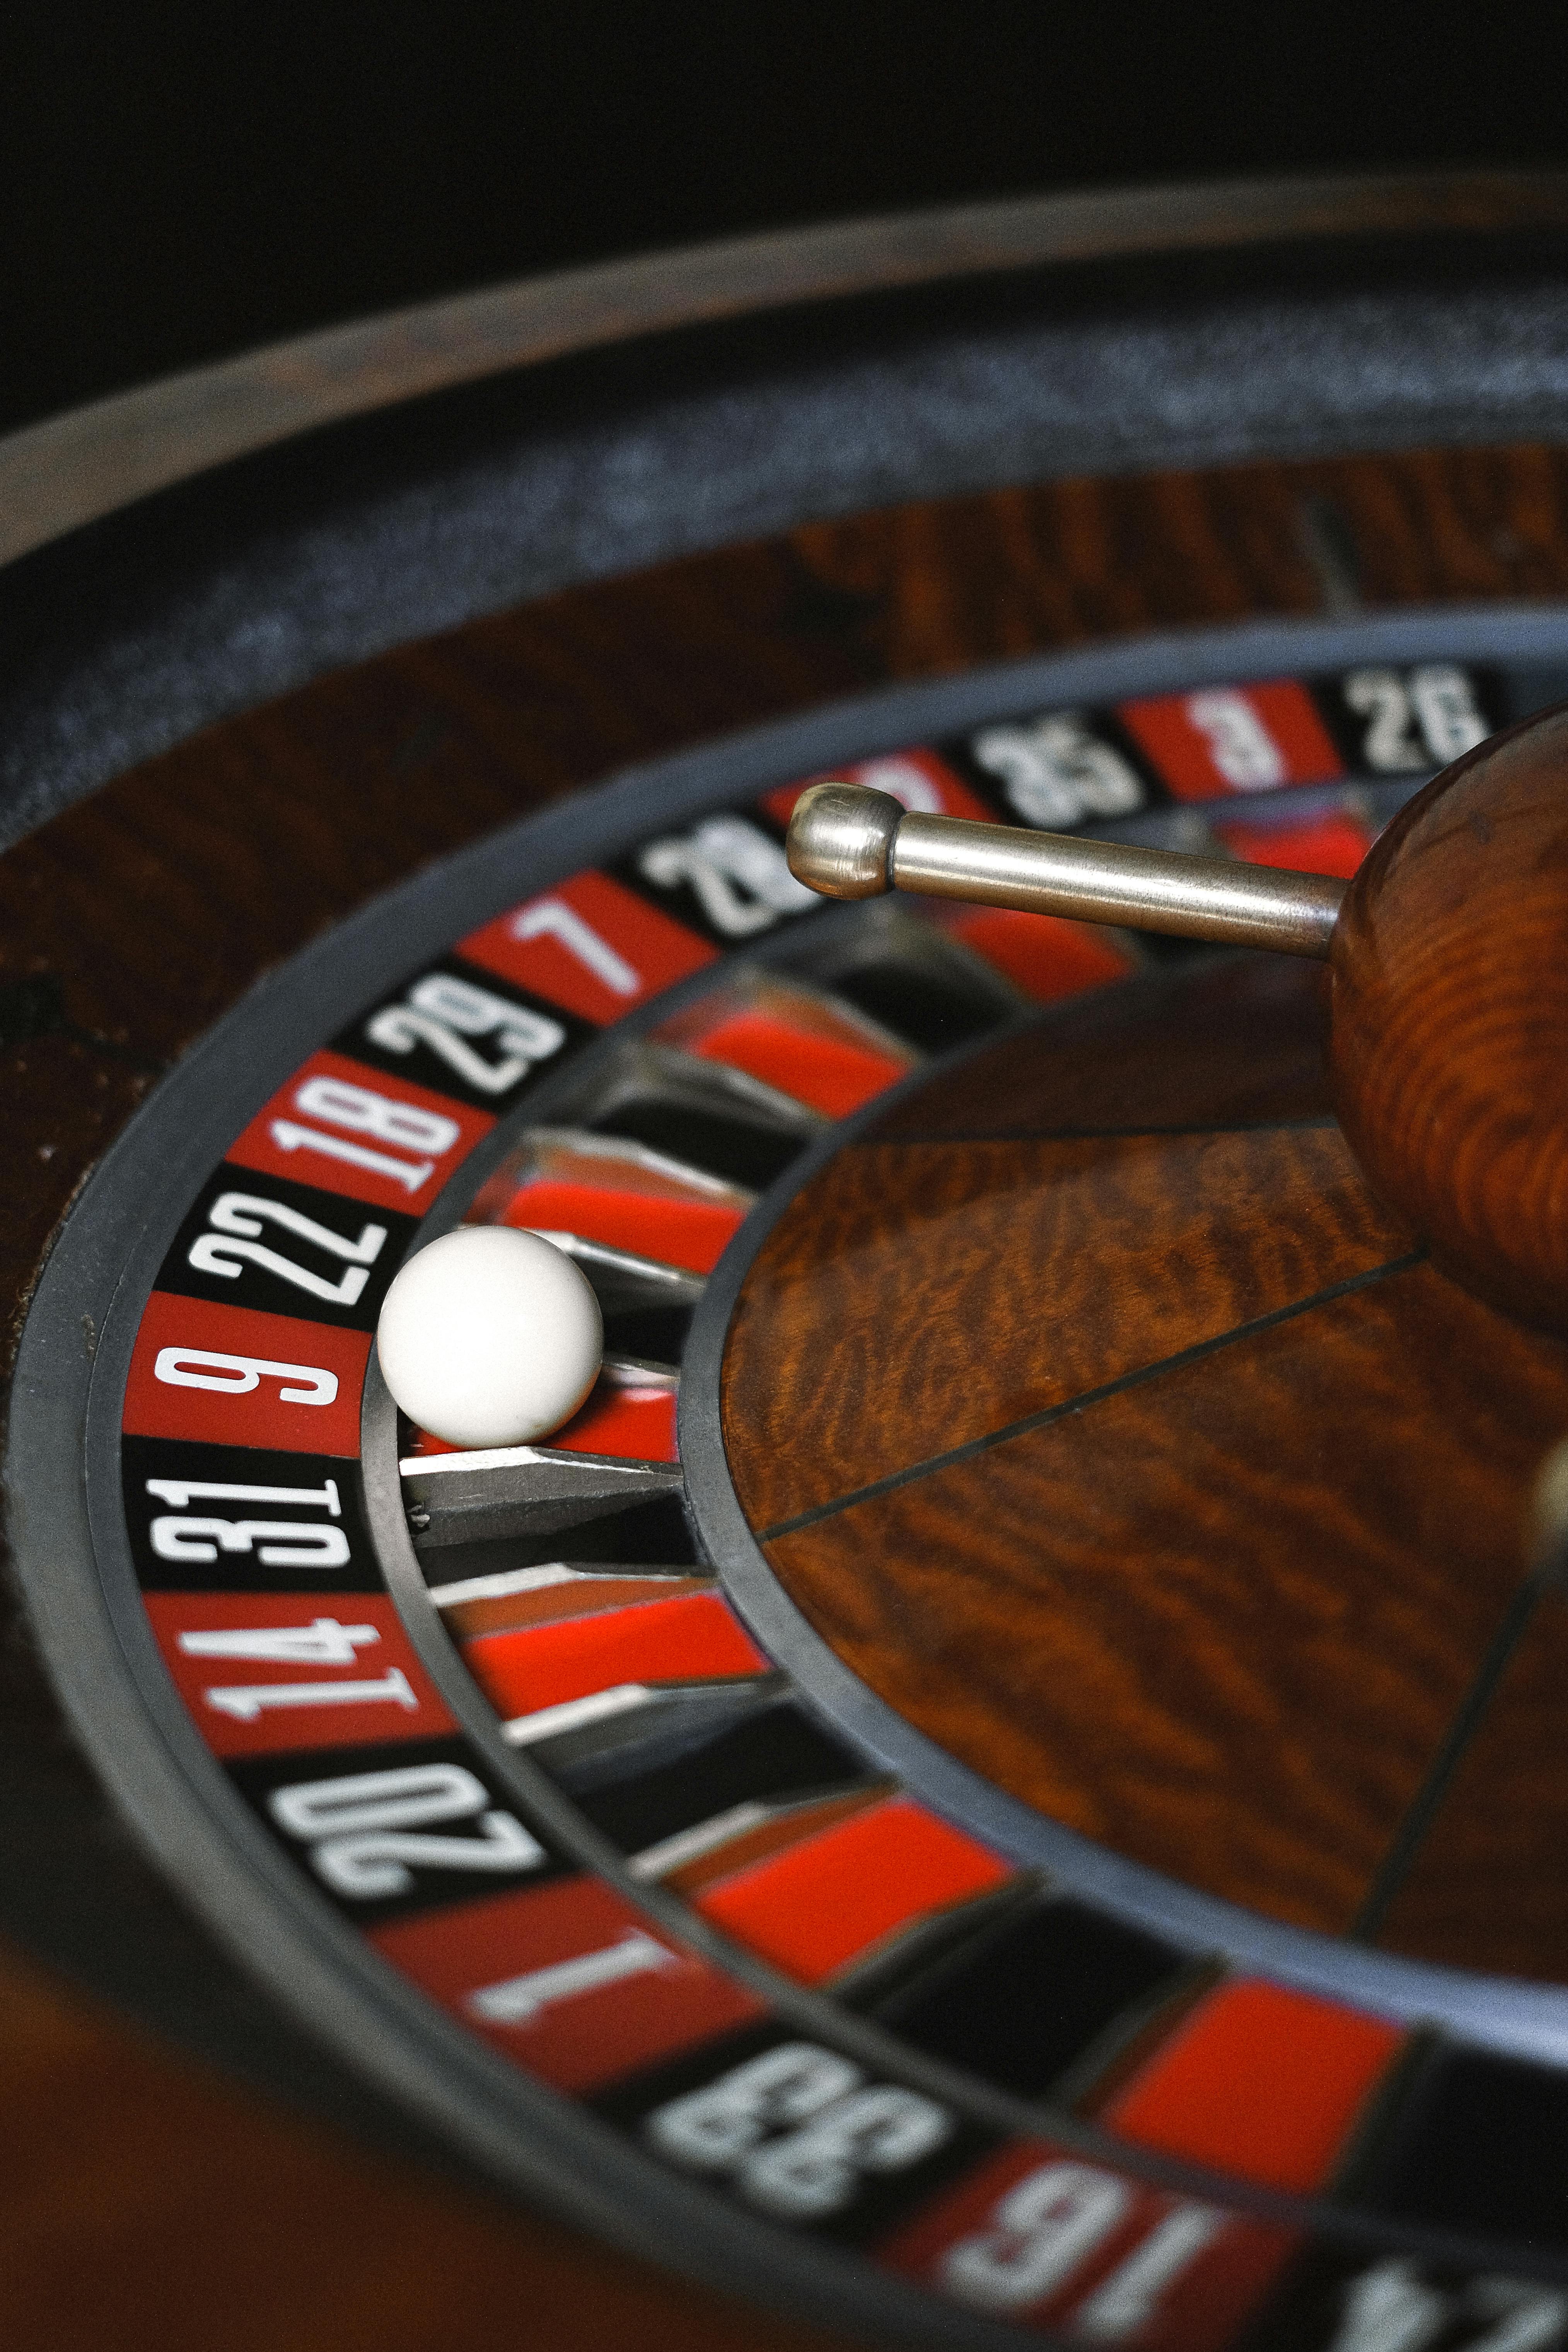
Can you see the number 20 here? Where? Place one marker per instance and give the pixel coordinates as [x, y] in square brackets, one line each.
[366, 1830]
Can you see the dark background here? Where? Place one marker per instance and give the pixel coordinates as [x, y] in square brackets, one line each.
[180, 181]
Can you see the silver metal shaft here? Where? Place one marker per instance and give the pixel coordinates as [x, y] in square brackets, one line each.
[851, 843]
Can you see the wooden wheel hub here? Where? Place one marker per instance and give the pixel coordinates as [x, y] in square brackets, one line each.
[1096, 1412]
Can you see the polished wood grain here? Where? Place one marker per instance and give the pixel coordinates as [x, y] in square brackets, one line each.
[138, 2206]
[1222, 1620]
[1078, 1261]
[1214, 1603]
[1487, 1886]
[946, 584]
[1450, 1018]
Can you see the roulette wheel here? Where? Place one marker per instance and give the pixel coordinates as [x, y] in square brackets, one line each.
[999, 1776]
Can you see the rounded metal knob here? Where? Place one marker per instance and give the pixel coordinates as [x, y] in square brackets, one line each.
[841, 839]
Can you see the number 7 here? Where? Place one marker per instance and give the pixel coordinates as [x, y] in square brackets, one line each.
[554, 919]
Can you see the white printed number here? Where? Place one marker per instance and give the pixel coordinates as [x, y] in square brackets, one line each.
[797, 2129]
[239, 1219]
[1394, 2309]
[318, 1542]
[207, 1367]
[1422, 719]
[739, 877]
[358, 1111]
[453, 1018]
[325, 1642]
[368, 1831]
[1053, 2222]
[552, 918]
[1240, 745]
[1056, 772]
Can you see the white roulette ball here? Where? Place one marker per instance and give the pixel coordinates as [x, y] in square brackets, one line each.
[489, 1336]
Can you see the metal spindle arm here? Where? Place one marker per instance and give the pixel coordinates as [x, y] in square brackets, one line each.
[851, 843]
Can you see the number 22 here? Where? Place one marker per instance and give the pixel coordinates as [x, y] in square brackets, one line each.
[242, 1214]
